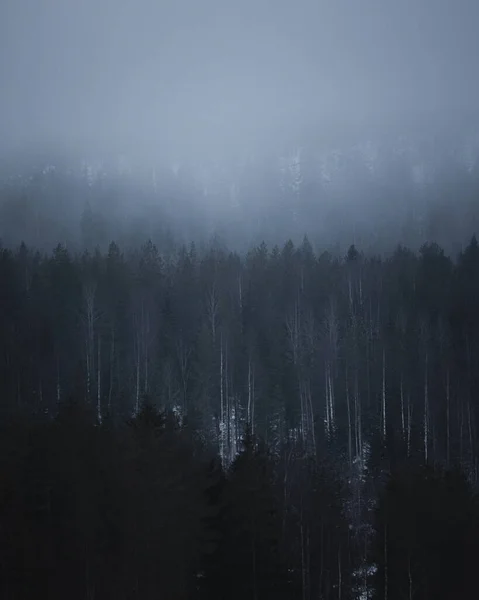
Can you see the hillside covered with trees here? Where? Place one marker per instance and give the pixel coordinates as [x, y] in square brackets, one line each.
[208, 424]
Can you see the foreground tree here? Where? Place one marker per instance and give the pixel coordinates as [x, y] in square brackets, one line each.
[426, 536]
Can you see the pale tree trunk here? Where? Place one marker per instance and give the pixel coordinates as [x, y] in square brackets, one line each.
[146, 339]
[368, 374]
[88, 373]
[213, 310]
[348, 407]
[361, 287]
[409, 425]
[302, 424]
[350, 293]
[251, 396]
[89, 296]
[222, 409]
[98, 382]
[308, 334]
[448, 420]
[293, 325]
[327, 421]
[424, 334]
[59, 389]
[112, 361]
[426, 410]
[357, 420]
[240, 293]
[383, 405]
[309, 400]
[236, 426]
[184, 354]
[331, 401]
[228, 405]
[331, 326]
[137, 394]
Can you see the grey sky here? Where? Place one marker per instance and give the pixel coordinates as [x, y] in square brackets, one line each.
[200, 76]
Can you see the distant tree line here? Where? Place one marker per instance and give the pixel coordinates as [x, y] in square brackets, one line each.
[366, 194]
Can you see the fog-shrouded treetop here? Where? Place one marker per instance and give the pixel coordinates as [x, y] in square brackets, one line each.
[187, 77]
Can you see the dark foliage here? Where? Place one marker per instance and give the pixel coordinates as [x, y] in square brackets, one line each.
[206, 425]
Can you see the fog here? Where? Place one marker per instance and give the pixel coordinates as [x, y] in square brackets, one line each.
[187, 78]
[259, 119]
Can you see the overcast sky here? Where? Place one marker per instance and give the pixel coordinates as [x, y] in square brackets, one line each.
[201, 75]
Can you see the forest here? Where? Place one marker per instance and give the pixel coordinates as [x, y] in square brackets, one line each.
[239, 300]
[282, 423]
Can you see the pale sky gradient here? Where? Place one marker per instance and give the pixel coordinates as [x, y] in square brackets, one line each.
[199, 76]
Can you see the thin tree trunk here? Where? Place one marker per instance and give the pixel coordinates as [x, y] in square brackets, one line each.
[448, 423]
[303, 566]
[58, 381]
[469, 429]
[340, 575]
[253, 557]
[328, 416]
[410, 579]
[98, 382]
[88, 373]
[250, 395]
[311, 418]
[146, 340]
[386, 581]
[359, 424]
[112, 360]
[222, 411]
[331, 401]
[409, 424]
[228, 406]
[137, 400]
[253, 404]
[384, 395]
[321, 564]
[426, 411]
[348, 405]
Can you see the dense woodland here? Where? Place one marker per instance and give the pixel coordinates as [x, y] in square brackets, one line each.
[203, 424]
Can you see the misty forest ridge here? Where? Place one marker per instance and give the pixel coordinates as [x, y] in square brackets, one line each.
[239, 291]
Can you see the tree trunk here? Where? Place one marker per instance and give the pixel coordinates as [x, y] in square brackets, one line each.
[448, 422]
[98, 382]
[137, 398]
[384, 396]
[112, 360]
[222, 411]
[426, 411]
[348, 406]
